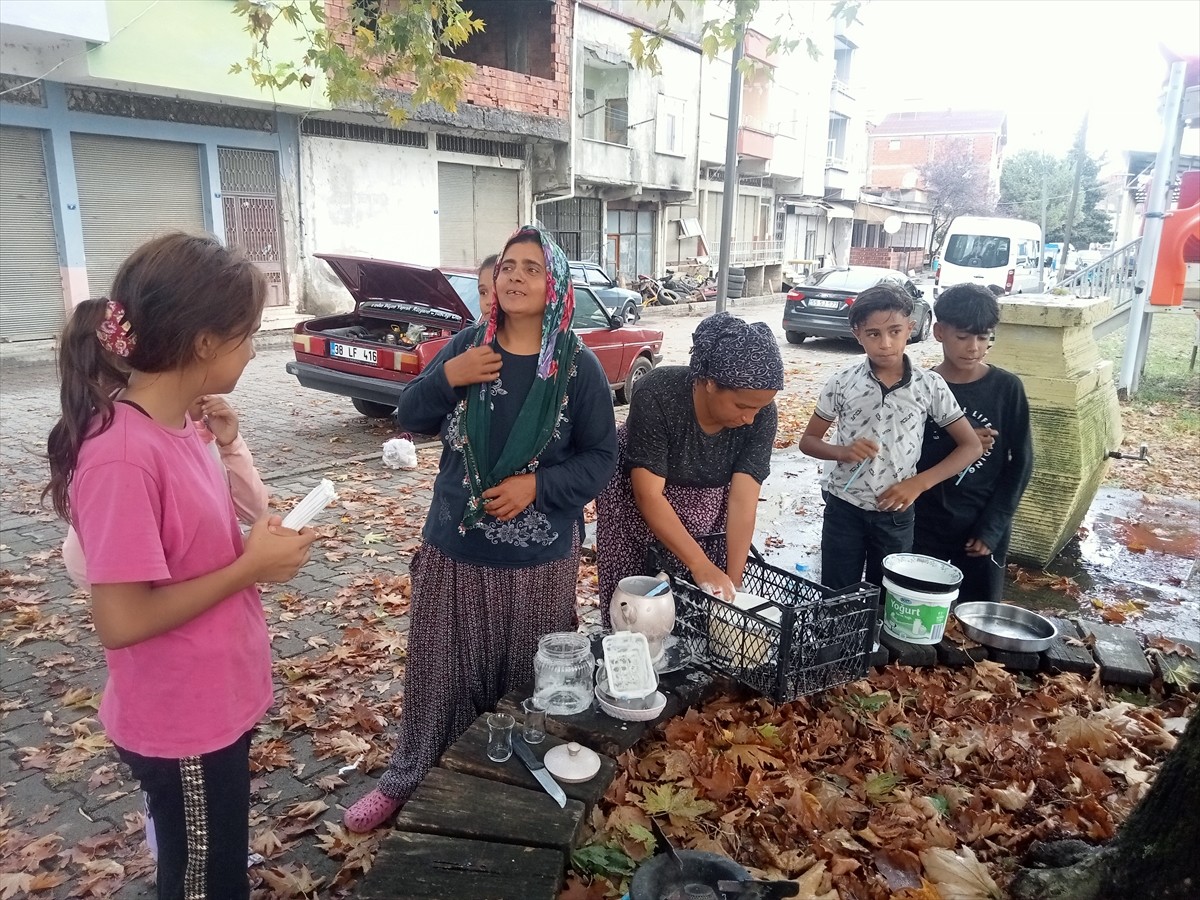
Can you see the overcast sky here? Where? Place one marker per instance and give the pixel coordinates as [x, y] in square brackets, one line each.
[1045, 62]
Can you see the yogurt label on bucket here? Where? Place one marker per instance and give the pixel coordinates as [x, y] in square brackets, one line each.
[916, 622]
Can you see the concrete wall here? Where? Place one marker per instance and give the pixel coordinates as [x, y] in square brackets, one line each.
[367, 200]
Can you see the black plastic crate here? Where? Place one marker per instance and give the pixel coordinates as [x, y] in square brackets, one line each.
[802, 639]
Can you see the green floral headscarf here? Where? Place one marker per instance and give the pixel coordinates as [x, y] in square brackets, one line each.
[539, 414]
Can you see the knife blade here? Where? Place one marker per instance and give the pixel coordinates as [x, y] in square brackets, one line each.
[534, 765]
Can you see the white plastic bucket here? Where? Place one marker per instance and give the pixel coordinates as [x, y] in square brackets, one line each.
[918, 616]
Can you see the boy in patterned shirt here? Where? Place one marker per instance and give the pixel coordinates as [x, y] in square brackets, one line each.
[880, 406]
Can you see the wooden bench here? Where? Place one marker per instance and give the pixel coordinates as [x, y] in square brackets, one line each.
[481, 830]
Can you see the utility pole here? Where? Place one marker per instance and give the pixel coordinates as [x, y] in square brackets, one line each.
[1158, 198]
[1042, 248]
[1080, 155]
[729, 197]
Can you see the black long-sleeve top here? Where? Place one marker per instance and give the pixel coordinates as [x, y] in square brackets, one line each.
[982, 503]
[574, 467]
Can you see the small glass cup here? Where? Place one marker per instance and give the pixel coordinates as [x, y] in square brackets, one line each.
[500, 727]
[533, 729]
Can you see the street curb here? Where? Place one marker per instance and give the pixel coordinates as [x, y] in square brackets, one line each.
[708, 307]
[32, 354]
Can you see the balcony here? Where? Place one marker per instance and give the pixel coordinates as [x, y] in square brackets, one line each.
[755, 143]
[754, 46]
[755, 253]
[837, 175]
[841, 100]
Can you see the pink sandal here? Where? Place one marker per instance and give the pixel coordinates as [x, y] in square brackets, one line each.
[370, 812]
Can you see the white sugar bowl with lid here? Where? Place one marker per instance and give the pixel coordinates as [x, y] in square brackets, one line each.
[572, 763]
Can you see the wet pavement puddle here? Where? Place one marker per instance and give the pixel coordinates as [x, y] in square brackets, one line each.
[1133, 561]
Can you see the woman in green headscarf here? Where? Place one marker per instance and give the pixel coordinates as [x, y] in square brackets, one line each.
[528, 437]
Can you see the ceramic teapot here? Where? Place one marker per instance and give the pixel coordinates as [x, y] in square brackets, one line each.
[641, 604]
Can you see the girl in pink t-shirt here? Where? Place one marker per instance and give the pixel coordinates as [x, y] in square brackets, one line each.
[173, 583]
[216, 423]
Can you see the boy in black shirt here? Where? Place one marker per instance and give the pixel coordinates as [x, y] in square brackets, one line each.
[968, 519]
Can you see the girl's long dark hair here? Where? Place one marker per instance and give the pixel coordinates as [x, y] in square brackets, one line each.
[173, 289]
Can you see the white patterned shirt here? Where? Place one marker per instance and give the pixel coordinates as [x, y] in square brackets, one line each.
[892, 417]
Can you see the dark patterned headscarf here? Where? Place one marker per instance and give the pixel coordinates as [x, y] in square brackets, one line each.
[737, 354]
[538, 418]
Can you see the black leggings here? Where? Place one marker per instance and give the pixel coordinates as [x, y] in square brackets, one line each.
[201, 811]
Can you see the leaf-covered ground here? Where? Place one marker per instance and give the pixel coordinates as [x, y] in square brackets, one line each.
[914, 784]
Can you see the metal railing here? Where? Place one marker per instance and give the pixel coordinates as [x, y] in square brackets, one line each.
[755, 253]
[1113, 277]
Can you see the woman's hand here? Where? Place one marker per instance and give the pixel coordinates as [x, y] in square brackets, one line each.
[274, 553]
[474, 366]
[219, 418]
[713, 581]
[510, 497]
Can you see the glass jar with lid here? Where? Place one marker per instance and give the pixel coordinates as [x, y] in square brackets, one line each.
[562, 673]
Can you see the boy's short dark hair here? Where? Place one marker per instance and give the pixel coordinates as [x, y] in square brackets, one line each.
[968, 307]
[887, 296]
[488, 264]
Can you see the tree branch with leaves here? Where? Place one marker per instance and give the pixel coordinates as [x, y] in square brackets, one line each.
[959, 184]
[412, 44]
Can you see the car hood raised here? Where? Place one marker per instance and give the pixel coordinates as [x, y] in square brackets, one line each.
[405, 283]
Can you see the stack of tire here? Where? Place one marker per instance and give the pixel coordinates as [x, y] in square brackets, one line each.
[736, 283]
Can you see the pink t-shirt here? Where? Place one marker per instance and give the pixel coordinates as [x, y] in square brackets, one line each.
[149, 505]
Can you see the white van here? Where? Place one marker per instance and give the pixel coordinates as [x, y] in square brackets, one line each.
[988, 251]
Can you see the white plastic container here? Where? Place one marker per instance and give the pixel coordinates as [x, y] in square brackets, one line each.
[628, 668]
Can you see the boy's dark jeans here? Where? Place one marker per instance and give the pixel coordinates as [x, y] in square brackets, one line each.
[983, 576]
[851, 536]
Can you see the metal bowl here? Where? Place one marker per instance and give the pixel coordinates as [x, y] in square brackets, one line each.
[1006, 627]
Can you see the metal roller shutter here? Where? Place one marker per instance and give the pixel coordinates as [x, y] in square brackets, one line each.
[497, 208]
[31, 295]
[129, 191]
[479, 207]
[456, 212]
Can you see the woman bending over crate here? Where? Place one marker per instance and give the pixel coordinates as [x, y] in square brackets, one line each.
[693, 454]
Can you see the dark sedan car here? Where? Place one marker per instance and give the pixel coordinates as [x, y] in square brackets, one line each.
[626, 305]
[821, 308]
[404, 314]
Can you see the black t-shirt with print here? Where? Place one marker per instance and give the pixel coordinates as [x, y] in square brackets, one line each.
[981, 503]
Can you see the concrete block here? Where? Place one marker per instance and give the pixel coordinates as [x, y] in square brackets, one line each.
[918, 655]
[1119, 653]
[880, 657]
[956, 656]
[1063, 657]
[1018, 662]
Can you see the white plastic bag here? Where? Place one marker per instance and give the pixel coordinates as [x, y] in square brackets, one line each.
[400, 453]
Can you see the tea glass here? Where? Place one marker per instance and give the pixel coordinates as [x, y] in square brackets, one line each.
[500, 728]
[533, 729]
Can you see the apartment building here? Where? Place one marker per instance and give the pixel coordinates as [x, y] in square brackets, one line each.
[905, 141]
